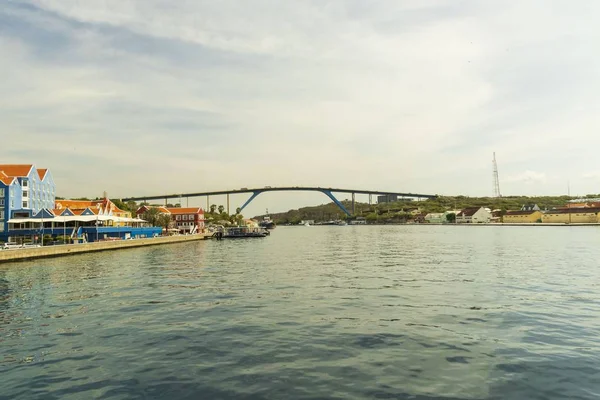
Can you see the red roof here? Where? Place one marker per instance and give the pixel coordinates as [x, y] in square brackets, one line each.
[188, 210]
[42, 172]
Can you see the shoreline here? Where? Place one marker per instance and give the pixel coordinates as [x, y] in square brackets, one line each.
[485, 224]
[27, 254]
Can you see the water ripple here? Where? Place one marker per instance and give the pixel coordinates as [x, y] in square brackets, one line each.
[398, 312]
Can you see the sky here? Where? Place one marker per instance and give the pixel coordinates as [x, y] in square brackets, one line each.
[143, 97]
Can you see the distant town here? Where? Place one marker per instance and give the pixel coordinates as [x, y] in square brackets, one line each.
[457, 210]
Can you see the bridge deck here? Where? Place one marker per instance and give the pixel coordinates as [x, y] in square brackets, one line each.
[280, 189]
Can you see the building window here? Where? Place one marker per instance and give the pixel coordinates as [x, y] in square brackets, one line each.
[24, 183]
[1, 202]
[1, 192]
[25, 205]
[178, 217]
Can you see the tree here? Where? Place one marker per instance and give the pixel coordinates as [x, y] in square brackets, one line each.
[132, 206]
[164, 220]
[221, 209]
[451, 218]
[238, 211]
[213, 208]
[152, 216]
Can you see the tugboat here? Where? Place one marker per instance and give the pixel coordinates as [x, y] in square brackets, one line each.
[267, 223]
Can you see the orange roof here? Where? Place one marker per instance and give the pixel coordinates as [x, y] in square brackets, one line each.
[104, 205]
[7, 181]
[74, 204]
[42, 172]
[189, 210]
[16, 170]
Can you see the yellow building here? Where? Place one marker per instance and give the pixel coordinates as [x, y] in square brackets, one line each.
[522, 217]
[582, 215]
[99, 207]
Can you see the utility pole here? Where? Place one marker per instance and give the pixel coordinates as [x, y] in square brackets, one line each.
[495, 177]
[569, 195]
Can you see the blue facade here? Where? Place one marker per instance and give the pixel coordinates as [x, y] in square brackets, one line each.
[25, 194]
[11, 200]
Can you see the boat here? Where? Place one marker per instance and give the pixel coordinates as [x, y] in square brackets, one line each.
[240, 232]
[267, 223]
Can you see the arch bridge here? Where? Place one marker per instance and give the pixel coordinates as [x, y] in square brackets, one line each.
[256, 191]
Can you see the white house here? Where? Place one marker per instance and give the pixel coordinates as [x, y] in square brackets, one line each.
[474, 215]
[436, 218]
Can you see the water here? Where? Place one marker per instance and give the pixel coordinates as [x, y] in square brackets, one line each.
[365, 312]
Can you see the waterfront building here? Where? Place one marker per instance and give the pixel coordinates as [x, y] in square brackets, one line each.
[29, 211]
[24, 191]
[474, 215]
[522, 216]
[579, 215]
[188, 219]
[184, 220]
[100, 207]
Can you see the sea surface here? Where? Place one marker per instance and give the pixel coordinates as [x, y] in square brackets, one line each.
[354, 312]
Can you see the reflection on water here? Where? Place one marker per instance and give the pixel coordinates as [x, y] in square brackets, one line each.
[415, 312]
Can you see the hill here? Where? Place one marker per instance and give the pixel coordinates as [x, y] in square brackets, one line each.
[404, 211]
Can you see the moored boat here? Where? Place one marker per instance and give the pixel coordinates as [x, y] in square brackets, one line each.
[240, 232]
[267, 223]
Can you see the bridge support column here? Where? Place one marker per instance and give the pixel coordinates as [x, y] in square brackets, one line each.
[207, 205]
[336, 201]
[353, 203]
[254, 194]
[227, 203]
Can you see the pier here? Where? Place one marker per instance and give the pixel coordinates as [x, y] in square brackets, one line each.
[24, 254]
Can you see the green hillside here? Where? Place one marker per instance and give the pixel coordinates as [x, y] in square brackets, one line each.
[404, 211]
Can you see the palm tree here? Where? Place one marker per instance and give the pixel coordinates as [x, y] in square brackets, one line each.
[221, 209]
[213, 207]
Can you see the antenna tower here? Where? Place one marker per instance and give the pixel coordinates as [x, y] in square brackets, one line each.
[496, 180]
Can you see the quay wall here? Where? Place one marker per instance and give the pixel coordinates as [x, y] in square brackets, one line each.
[70, 249]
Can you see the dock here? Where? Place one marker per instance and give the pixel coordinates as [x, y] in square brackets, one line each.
[72, 249]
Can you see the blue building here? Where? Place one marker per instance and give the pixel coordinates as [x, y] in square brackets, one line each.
[27, 211]
[24, 192]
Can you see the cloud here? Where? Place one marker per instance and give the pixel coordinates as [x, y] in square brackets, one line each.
[591, 175]
[138, 97]
[528, 177]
